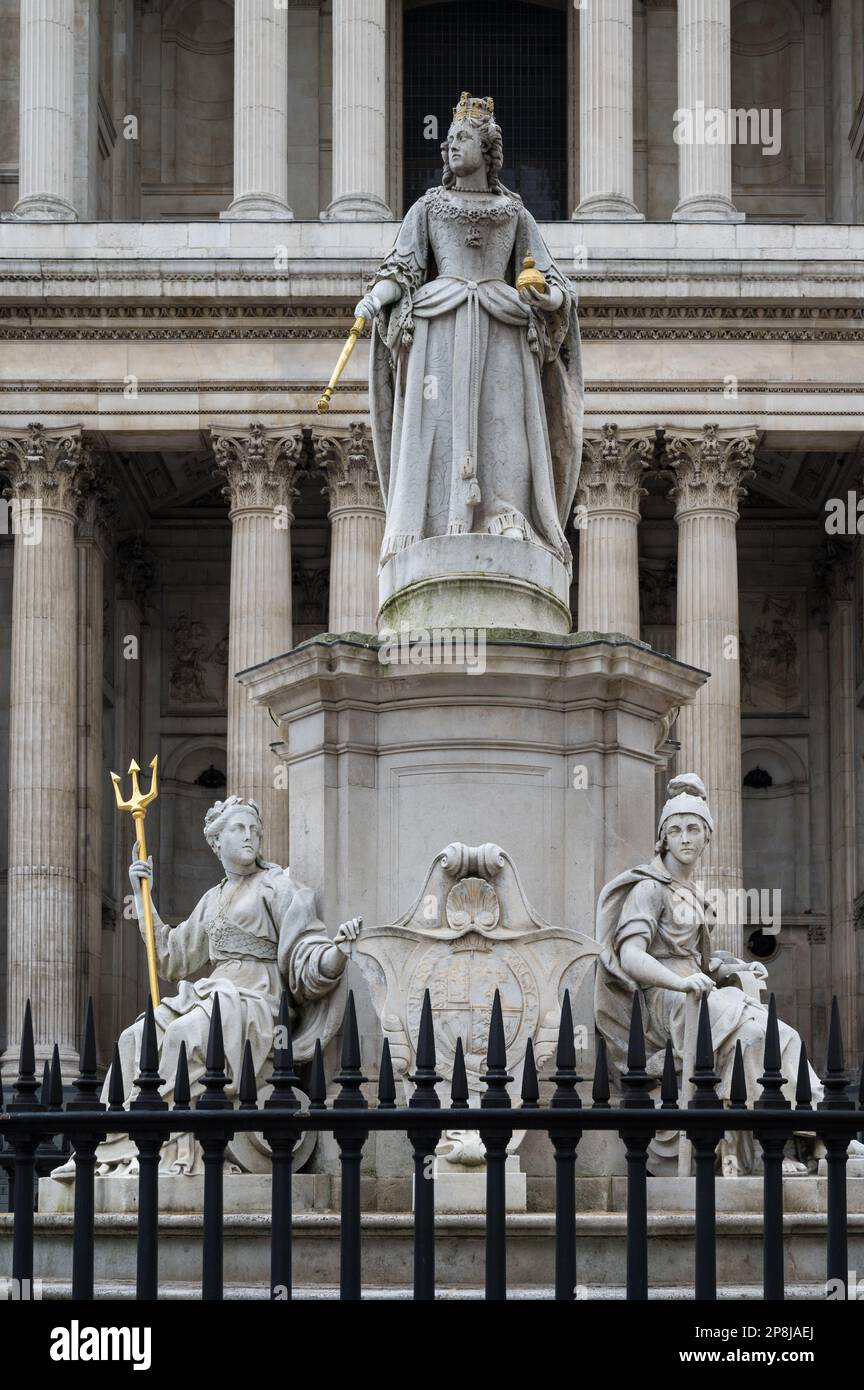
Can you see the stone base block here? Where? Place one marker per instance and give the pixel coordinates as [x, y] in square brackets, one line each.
[465, 1191]
[245, 1193]
[854, 1168]
[475, 583]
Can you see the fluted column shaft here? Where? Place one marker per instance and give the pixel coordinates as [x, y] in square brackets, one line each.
[261, 469]
[606, 111]
[608, 520]
[46, 111]
[708, 470]
[260, 111]
[357, 521]
[704, 87]
[46, 468]
[359, 111]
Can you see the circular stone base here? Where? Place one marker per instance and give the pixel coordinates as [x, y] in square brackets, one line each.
[474, 581]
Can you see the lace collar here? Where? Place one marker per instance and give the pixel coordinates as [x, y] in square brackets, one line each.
[442, 202]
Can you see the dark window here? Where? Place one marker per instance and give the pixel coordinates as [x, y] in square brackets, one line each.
[514, 52]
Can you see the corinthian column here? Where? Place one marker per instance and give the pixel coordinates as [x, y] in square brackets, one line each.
[708, 470]
[606, 111]
[704, 100]
[359, 112]
[357, 521]
[46, 468]
[607, 500]
[46, 113]
[261, 468]
[260, 111]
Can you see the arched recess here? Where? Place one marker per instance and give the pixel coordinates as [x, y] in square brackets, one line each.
[776, 823]
[777, 854]
[186, 866]
[188, 106]
[521, 52]
[777, 76]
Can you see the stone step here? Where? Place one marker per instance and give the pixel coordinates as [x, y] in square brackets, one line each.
[387, 1249]
[191, 1292]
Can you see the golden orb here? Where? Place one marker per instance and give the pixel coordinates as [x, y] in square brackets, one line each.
[531, 276]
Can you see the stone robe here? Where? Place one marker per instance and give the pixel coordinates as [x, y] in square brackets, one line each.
[476, 397]
[266, 937]
[674, 921]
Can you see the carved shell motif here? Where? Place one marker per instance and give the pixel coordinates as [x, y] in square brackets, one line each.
[472, 903]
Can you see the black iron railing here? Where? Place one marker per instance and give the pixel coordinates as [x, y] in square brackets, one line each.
[33, 1118]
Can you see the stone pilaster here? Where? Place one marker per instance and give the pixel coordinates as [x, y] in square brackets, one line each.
[704, 87]
[46, 469]
[46, 111]
[606, 111]
[261, 467]
[836, 576]
[260, 111]
[359, 112]
[97, 517]
[708, 470]
[607, 499]
[357, 521]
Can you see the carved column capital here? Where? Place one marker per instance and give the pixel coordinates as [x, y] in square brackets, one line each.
[613, 467]
[262, 467]
[708, 468]
[347, 461]
[49, 467]
[97, 506]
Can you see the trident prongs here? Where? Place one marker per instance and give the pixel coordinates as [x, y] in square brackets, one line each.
[138, 801]
[137, 807]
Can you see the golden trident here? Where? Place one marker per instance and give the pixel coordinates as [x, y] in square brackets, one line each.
[351, 342]
[137, 804]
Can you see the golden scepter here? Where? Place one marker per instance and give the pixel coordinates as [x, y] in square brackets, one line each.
[137, 804]
[350, 344]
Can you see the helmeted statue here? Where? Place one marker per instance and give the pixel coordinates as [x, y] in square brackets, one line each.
[258, 931]
[475, 384]
[654, 926]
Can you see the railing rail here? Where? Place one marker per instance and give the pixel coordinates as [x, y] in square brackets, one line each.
[35, 1114]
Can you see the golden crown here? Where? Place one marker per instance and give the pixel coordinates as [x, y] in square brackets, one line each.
[474, 108]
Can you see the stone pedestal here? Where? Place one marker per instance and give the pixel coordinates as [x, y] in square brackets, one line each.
[549, 751]
[475, 582]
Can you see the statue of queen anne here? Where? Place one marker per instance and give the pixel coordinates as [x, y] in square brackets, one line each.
[259, 932]
[475, 385]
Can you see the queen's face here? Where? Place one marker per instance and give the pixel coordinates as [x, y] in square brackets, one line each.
[240, 841]
[464, 148]
[686, 837]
